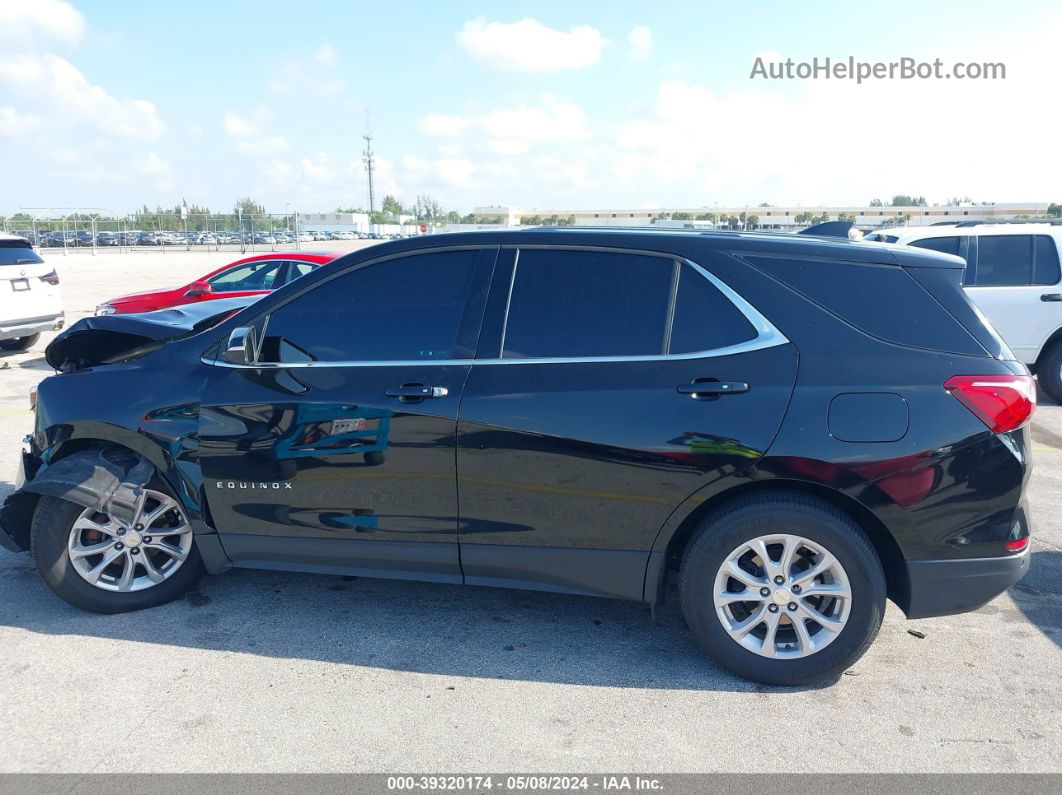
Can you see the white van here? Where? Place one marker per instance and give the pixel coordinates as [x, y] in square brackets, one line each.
[30, 298]
[1013, 275]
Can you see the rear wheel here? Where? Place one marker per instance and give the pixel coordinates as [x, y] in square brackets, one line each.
[1049, 372]
[784, 589]
[103, 565]
[19, 343]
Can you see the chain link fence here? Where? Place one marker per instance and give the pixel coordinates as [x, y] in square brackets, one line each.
[91, 230]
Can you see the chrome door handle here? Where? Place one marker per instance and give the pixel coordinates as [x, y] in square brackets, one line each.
[413, 393]
[1051, 297]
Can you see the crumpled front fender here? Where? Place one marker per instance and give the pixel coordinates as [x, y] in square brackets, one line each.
[109, 480]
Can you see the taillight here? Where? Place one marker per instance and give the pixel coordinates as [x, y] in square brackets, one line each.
[1018, 545]
[1002, 402]
[51, 278]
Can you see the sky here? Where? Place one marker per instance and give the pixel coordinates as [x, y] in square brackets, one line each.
[550, 105]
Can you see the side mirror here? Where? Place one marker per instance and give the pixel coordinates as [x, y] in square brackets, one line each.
[196, 289]
[240, 348]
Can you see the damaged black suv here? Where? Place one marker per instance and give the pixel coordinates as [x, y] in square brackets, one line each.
[787, 429]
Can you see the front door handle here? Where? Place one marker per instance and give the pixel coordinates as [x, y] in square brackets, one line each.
[1051, 297]
[414, 393]
[703, 390]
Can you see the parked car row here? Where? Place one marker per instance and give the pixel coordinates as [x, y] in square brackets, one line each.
[75, 238]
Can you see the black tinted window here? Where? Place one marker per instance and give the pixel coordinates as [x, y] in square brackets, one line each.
[704, 318]
[1047, 271]
[402, 309]
[947, 245]
[1004, 260]
[587, 303]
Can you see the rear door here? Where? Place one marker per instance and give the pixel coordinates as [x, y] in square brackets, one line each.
[609, 386]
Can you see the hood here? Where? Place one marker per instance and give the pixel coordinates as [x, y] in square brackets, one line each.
[107, 339]
[140, 296]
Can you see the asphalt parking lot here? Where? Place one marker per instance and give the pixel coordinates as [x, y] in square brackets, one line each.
[265, 671]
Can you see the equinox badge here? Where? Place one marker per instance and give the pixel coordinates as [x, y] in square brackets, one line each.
[253, 484]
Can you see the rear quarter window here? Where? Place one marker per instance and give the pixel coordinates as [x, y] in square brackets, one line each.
[867, 297]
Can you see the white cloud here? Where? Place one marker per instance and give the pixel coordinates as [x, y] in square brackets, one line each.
[250, 139]
[23, 22]
[444, 125]
[513, 131]
[447, 173]
[640, 39]
[151, 165]
[326, 56]
[529, 46]
[52, 83]
[14, 124]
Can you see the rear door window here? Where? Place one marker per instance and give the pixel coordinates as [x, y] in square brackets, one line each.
[587, 304]
[1004, 260]
[1046, 270]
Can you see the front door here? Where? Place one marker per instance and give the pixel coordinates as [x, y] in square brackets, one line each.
[335, 450]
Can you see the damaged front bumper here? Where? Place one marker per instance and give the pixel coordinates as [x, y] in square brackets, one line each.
[17, 510]
[110, 480]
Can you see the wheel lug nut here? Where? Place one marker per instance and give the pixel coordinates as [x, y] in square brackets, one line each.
[772, 608]
[765, 591]
[121, 531]
[796, 589]
[139, 527]
[792, 605]
[779, 580]
[147, 539]
[119, 546]
[136, 551]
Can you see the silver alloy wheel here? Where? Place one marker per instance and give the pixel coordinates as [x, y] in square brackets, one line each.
[131, 557]
[782, 596]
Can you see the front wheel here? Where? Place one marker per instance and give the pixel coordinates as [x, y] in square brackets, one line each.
[782, 589]
[103, 565]
[19, 343]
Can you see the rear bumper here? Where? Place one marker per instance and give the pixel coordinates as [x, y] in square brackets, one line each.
[947, 587]
[24, 327]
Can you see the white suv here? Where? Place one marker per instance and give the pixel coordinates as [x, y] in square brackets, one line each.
[1013, 275]
[30, 298]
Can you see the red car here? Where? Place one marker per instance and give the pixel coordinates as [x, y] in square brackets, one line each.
[257, 275]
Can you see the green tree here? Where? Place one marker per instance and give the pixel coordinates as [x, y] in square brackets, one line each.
[1052, 209]
[680, 216]
[903, 200]
[453, 217]
[876, 203]
[248, 206]
[391, 206]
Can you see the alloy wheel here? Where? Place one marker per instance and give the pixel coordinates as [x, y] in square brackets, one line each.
[782, 596]
[115, 556]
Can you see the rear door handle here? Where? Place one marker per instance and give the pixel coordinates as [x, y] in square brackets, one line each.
[700, 390]
[1051, 297]
[414, 393]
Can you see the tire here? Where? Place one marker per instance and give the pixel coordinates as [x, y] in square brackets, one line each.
[813, 524]
[1049, 372]
[50, 536]
[19, 343]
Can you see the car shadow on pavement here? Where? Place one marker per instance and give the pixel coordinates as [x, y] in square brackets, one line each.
[1039, 595]
[406, 626]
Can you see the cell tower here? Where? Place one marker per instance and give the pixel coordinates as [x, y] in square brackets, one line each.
[370, 164]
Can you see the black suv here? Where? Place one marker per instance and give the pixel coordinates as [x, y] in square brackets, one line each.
[786, 429]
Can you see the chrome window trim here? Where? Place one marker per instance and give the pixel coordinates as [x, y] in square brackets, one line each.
[508, 302]
[767, 335]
